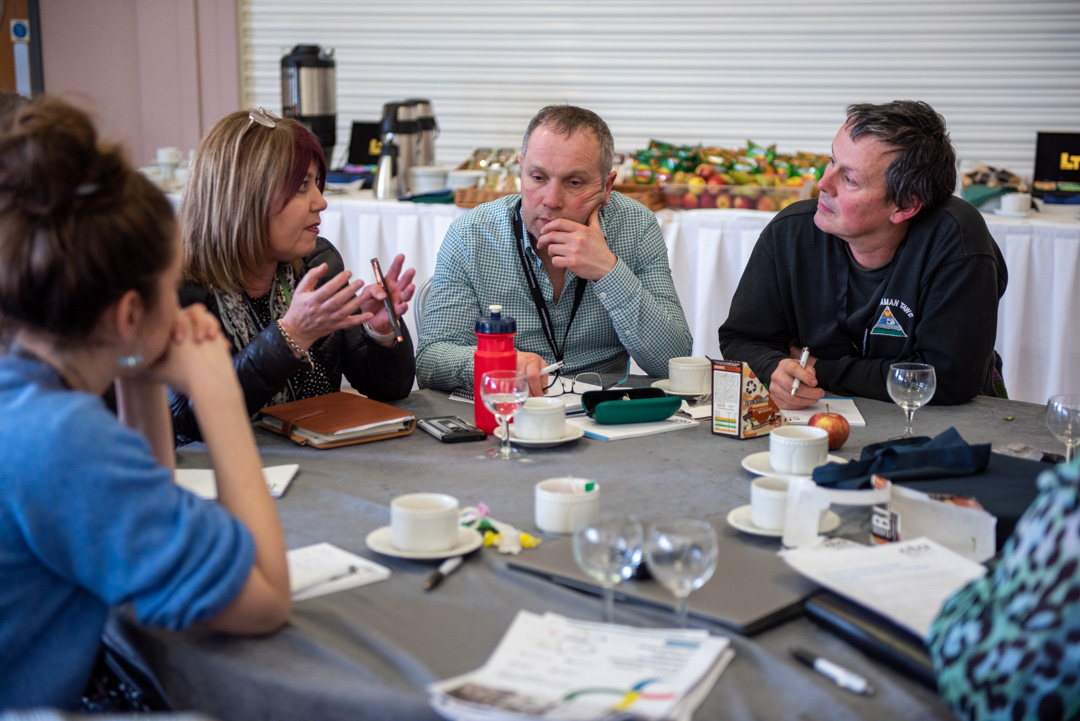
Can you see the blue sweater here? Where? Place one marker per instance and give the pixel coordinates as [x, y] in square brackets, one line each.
[89, 520]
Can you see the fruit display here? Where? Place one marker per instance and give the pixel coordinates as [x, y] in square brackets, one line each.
[753, 178]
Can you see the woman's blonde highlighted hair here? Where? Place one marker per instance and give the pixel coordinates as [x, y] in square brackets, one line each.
[242, 173]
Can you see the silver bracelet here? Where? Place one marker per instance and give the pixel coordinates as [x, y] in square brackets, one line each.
[304, 355]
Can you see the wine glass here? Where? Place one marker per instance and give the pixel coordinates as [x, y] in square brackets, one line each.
[682, 556]
[503, 393]
[1063, 420]
[911, 386]
[608, 551]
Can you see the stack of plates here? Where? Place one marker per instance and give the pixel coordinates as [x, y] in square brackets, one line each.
[464, 179]
[427, 178]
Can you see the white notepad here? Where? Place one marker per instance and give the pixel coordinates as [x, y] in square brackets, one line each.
[841, 406]
[202, 483]
[324, 568]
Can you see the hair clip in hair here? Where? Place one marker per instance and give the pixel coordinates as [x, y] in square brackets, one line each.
[262, 117]
[86, 189]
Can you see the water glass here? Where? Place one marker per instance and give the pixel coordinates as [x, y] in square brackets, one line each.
[911, 386]
[609, 551]
[1063, 420]
[682, 556]
[503, 393]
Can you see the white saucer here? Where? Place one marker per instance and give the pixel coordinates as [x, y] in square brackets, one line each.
[380, 541]
[664, 384]
[740, 519]
[1012, 213]
[572, 434]
[758, 464]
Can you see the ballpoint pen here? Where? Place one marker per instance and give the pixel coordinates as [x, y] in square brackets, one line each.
[395, 322]
[802, 364]
[445, 569]
[553, 367]
[839, 675]
[334, 575]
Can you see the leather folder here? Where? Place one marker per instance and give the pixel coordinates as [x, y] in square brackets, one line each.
[336, 419]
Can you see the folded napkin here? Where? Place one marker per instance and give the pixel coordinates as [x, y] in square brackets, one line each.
[908, 459]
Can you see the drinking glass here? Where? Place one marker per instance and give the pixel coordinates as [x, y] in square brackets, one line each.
[682, 556]
[911, 386]
[1063, 420]
[503, 393]
[608, 551]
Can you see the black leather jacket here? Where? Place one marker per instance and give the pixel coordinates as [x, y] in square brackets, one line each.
[267, 363]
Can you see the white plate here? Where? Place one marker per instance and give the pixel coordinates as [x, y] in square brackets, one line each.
[1012, 213]
[664, 384]
[572, 434]
[758, 464]
[740, 519]
[380, 541]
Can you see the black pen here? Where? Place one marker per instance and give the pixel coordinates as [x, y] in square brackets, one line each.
[839, 675]
[387, 302]
[445, 569]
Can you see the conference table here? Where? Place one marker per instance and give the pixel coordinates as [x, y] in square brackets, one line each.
[708, 250]
[370, 652]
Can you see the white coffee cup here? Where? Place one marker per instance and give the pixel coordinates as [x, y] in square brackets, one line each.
[798, 450]
[541, 419]
[562, 504]
[689, 375]
[1016, 202]
[768, 501]
[424, 522]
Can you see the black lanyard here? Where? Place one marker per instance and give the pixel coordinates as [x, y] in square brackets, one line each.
[518, 223]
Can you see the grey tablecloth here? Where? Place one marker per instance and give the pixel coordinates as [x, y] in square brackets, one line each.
[368, 653]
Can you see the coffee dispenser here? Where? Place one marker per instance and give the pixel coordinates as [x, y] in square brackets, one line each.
[309, 94]
[400, 135]
[429, 130]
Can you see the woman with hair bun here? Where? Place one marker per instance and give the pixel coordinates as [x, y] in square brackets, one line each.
[252, 254]
[89, 515]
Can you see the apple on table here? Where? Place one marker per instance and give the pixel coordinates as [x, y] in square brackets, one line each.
[834, 424]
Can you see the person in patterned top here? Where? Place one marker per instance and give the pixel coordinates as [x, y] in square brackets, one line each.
[596, 258]
[1007, 646]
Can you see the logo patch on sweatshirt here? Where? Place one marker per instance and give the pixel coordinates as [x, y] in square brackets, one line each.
[888, 325]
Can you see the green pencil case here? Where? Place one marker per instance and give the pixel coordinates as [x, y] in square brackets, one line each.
[634, 405]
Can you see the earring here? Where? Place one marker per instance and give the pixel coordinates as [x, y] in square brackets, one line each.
[130, 361]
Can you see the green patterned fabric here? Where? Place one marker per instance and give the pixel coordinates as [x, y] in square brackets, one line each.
[633, 308]
[1008, 645]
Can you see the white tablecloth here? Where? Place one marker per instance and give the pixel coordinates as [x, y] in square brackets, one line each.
[709, 248]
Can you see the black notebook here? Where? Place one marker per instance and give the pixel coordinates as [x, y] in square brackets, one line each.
[874, 635]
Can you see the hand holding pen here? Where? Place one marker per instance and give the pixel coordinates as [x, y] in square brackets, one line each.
[802, 364]
[396, 289]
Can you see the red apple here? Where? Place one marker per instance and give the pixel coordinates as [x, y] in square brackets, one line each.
[707, 201]
[713, 184]
[834, 424]
[690, 201]
[742, 203]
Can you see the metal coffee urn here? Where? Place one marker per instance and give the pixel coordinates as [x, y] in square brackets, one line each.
[309, 94]
[400, 133]
[429, 130]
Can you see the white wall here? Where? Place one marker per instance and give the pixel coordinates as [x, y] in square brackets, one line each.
[712, 71]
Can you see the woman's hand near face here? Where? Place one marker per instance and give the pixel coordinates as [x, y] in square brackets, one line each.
[401, 292]
[318, 312]
[197, 354]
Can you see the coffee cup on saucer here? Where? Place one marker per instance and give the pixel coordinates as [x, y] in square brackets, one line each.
[1016, 203]
[689, 375]
[564, 503]
[798, 450]
[768, 501]
[424, 522]
[541, 419]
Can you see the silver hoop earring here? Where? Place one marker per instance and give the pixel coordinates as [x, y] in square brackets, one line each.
[130, 361]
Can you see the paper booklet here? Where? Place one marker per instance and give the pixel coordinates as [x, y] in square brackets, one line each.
[619, 431]
[202, 483]
[552, 667]
[324, 568]
[336, 419]
[841, 406]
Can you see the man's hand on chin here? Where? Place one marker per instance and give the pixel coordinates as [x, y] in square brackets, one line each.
[580, 248]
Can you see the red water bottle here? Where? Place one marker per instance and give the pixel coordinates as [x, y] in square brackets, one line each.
[494, 352]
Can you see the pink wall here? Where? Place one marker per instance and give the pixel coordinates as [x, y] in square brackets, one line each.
[152, 73]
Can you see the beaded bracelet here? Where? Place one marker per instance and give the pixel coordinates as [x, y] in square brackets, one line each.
[303, 354]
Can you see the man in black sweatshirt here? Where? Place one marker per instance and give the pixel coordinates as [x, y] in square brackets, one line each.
[885, 266]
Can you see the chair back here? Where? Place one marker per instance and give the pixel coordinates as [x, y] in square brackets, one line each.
[419, 301]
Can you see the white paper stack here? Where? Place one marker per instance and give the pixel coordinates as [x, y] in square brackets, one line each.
[324, 568]
[552, 667]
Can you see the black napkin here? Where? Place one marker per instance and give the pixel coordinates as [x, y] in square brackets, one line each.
[907, 459]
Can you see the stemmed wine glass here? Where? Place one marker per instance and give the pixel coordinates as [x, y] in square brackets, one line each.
[1063, 420]
[682, 556]
[911, 386]
[609, 551]
[503, 393]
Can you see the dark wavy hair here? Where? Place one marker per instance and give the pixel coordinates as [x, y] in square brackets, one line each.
[925, 162]
[79, 227]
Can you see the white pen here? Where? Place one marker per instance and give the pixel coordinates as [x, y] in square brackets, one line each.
[445, 569]
[839, 675]
[333, 575]
[802, 364]
[553, 367]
